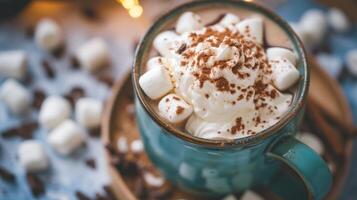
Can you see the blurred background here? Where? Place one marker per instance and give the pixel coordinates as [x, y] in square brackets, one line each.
[121, 24]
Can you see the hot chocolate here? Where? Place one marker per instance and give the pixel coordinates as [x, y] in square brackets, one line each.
[225, 77]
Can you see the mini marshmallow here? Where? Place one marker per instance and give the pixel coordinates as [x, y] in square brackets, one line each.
[314, 23]
[156, 62]
[332, 64]
[164, 42]
[122, 145]
[174, 109]
[66, 137]
[13, 64]
[156, 82]
[313, 142]
[48, 35]
[188, 21]
[279, 52]
[32, 156]
[93, 54]
[54, 110]
[230, 197]
[152, 180]
[15, 96]
[351, 61]
[338, 20]
[250, 195]
[252, 28]
[137, 146]
[224, 52]
[284, 74]
[88, 112]
[229, 19]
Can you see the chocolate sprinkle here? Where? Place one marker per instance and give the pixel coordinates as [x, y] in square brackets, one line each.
[91, 163]
[39, 96]
[36, 185]
[81, 196]
[6, 175]
[75, 94]
[181, 49]
[47, 68]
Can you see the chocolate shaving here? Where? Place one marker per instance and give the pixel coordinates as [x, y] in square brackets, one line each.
[24, 130]
[74, 63]
[38, 98]
[6, 175]
[94, 132]
[81, 196]
[36, 185]
[106, 79]
[109, 192]
[181, 49]
[47, 68]
[91, 163]
[75, 94]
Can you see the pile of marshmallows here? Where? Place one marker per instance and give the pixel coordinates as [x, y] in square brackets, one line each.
[157, 81]
[65, 134]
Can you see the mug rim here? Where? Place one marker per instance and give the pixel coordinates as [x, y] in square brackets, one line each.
[296, 106]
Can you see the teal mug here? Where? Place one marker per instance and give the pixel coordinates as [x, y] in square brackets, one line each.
[214, 168]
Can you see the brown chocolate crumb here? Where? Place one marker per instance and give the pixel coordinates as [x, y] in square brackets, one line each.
[39, 96]
[81, 196]
[106, 79]
[222, 84]
[36, 185]
[74, 62]
[74, 94]
[59, 52]
[179, 110]
[238, 126]
[181, 49]
[6, 175]
[94, 132]
[176, 98]
[91, 163]
[24, 130]
[47, 68]
[109, 192]
[207, 96]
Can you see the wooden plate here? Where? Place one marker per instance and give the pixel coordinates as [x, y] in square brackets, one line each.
[327, 115]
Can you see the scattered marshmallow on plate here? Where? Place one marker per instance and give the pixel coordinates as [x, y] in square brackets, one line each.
[122, 144]
[13, 64]
[332, 64]
[137, 146]
[15, 96]
[66, 137]
[338, 20]
[154, 181]
[174, 109]
[351, 61]
[313, 142]
[32, 156]
[284, 73]
[88, 112]
[54, 110]
[188, 21]
[156, 82]
[48, 35]
[93, 54]
[314, 24]
[250, 195]
[253, 28]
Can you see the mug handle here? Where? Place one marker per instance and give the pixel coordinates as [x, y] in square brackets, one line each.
[306, 163]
